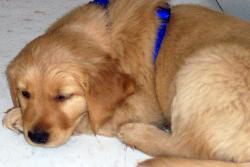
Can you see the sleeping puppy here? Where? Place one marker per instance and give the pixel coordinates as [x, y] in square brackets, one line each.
[92, 71]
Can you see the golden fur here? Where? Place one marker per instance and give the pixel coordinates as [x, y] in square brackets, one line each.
[202, 83]
[93, 71]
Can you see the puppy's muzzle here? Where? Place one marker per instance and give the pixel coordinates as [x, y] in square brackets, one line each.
[38, 136]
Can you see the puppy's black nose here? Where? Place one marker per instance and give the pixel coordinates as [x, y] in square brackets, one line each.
[38, 136]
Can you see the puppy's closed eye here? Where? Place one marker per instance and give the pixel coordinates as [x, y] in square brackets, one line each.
[62, 98]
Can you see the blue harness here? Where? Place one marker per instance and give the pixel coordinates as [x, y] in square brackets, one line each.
[163, 15]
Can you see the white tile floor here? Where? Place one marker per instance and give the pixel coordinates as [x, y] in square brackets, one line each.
[21, 21]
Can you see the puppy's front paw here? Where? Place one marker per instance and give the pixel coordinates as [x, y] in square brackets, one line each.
[137, 134]
[13, 120]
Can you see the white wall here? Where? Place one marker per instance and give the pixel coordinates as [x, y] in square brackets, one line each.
[239, 8]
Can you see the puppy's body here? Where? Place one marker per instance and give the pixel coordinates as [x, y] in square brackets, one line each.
[211, 55]
[193, 28]
[204, 66]
[200, 81]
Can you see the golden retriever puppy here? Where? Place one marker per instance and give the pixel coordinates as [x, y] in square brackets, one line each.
[93, 71]
[90, 71]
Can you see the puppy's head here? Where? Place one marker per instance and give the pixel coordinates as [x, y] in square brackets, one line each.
[58, 81]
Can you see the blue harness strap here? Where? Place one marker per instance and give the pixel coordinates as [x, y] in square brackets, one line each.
[163, 14]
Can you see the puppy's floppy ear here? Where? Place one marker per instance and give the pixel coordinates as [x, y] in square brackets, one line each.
[12, 86]
[103, 96]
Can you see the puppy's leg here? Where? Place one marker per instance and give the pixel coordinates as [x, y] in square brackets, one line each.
[179, 162]
[13, 120]
[150, 139]
[156, 142]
